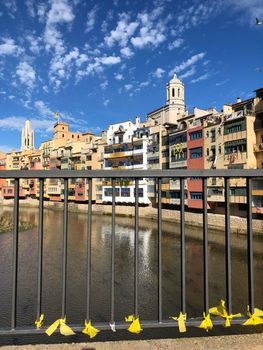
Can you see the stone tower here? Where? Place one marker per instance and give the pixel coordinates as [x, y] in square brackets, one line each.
[175, 94]
[27, 140]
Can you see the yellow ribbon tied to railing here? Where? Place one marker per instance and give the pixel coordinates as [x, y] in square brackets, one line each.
[90, 330]
[63, 328]
[181, 322]
[39, 322]
[135, 326]
[206, 323]
[255, 318]
[221, 311]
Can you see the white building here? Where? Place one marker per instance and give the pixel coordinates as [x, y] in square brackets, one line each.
[126, 149]
[27, 138]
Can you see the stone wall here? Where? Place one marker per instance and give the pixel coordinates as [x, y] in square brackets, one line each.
[215, 221]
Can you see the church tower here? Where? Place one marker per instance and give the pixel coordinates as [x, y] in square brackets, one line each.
[175, 94]
[27, 140]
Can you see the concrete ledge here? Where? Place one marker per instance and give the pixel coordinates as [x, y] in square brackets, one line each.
[230, 342]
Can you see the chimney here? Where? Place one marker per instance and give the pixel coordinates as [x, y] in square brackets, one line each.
[238, 99]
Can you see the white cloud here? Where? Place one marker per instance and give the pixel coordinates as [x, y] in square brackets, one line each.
[202, 77]
[106, 102]
[104, 85]
[34, 43]
[122, 33]
[188, 73]
[126, 52]
[30, 7]
[11, 7]
[43, 109]
[185, 64]
[175, 44]
[118, 76]
[128, 87]
[17, 123]
[250, 9]
[60, 12]
[41, 11]
[144, 83]
[91, 19]
[158, 73]
[109, 60]
[9, 48]
[26, 74]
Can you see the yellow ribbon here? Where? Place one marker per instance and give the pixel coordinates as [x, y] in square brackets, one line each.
[135, 326]
[181, 322]
[254, 319]
[206, 323]
[39, 322]
[90, 330]
[63, 328]
[220, 310]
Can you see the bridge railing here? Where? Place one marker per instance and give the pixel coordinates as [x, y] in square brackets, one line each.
[113, 176]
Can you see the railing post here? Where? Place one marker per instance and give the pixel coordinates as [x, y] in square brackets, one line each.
[15, 254]
[89, 250]
[40, 247]
[228, 248]
[113, 252]
[65, 242]
[160, 301]
[136, 248]
[205, 246]
[182, 232]
[250, 247]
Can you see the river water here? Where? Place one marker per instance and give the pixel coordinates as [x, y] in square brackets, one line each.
[101, 250]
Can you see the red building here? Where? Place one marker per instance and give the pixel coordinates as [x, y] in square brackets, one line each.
[195, 160]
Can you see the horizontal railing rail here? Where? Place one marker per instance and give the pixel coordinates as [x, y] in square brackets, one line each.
[179, 173]
[182, 175]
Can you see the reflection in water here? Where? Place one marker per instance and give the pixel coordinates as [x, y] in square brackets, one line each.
[124, 263]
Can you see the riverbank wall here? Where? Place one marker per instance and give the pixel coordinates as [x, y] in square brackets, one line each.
[215, 221]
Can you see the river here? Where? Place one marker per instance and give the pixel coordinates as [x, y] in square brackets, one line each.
[101, 250]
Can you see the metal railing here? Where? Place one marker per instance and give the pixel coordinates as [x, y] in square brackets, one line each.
[182, 175]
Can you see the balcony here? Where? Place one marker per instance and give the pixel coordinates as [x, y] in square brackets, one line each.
[258, 148]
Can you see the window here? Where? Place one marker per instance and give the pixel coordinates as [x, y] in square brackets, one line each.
[196, 153]
[213, 135]
[88, 158]
[62, 135]
[72, 136]
[62, 127]
[173, 92]
[235, 127]
[108, 192]
[140, 192]
[195, 178]
[195, 135]
[219, 150]
[236, 146]
[207, 151]
[178, 92]
[125, 192]
[237, 191]
[196, 195]
[235, 166]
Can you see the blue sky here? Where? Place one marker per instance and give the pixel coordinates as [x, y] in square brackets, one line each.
[101, 62]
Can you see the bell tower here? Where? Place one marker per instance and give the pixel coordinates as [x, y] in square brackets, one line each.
[27, 137]
[175, 94]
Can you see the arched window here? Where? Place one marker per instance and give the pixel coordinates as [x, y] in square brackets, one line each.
[178, 92]
[173, 92]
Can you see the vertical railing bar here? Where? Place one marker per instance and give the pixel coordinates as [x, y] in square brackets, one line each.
[15, 254]
[40, 248]
[250, 247]
[89, 250]
[228, 248]
[205, 246]
[182, 233]
[65, 242]
[136, 241]
[113, 181]
[159, 250]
